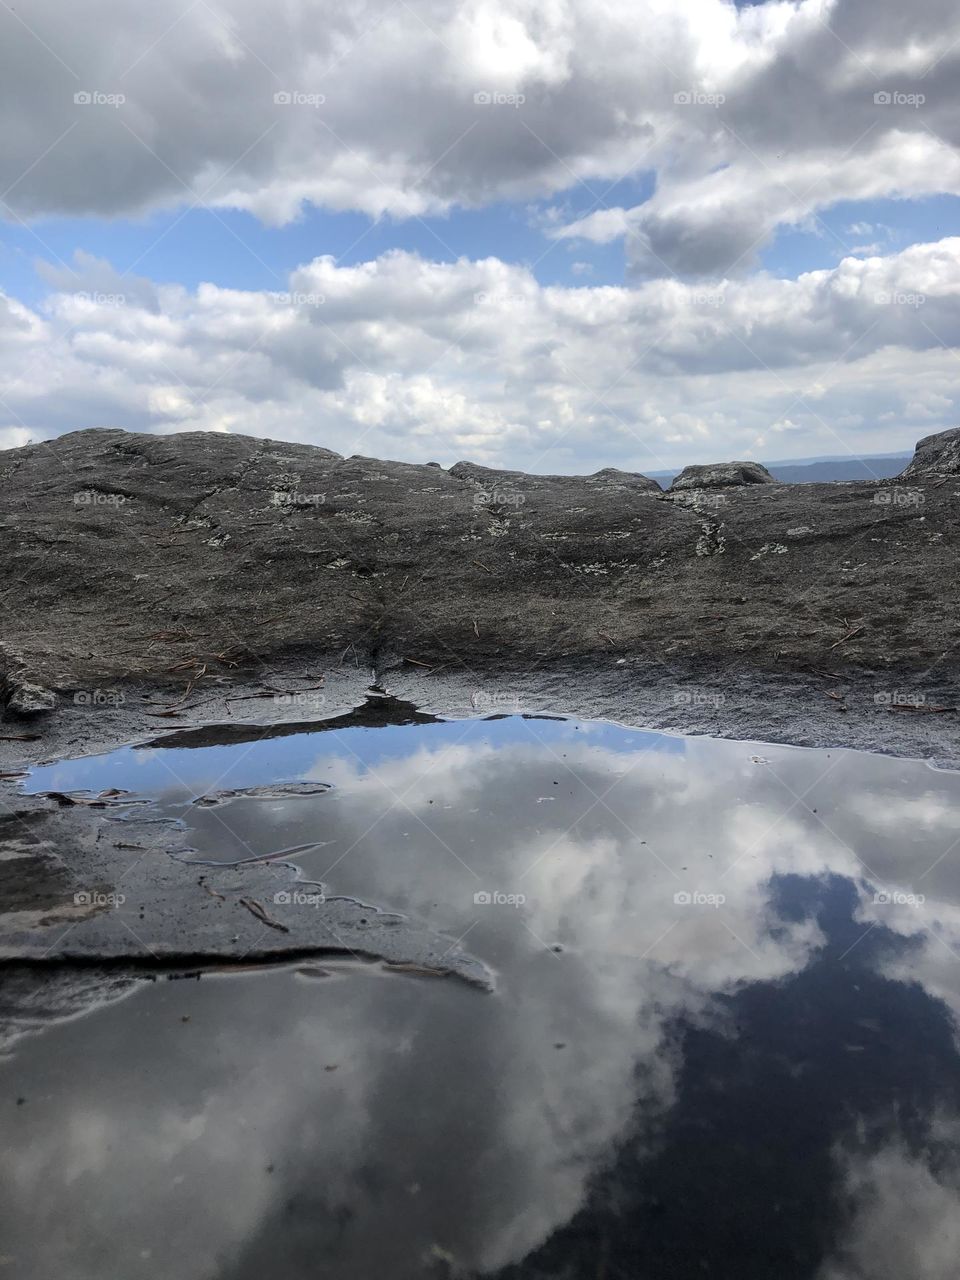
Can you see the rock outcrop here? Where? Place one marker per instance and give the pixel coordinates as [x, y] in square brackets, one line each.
[937, 455]
[719, 475]
[185, 558]
[609, 478]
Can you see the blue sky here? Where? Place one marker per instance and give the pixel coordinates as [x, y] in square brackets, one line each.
[152, 771]
[550, 238]
[236, 250]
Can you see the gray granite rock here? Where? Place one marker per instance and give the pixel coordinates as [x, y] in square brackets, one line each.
[937, 455]
[717, 475]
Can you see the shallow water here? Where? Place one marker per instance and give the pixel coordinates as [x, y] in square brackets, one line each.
[722, 1041]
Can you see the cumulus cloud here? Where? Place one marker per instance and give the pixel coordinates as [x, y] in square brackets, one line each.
[402, 356]
[905, 1215]
[750, 117]
[741, 121]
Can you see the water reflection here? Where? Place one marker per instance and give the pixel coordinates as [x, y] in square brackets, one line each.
[723, 1040]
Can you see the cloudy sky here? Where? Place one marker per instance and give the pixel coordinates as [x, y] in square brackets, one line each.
[548, 234]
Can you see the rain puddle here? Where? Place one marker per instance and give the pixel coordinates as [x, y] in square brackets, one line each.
[722, 1041]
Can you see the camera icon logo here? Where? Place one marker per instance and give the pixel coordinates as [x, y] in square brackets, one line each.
[682, 898]
[282, 899]
[482, 898]
[482, 99]
[82, 99]
[282, 98]
[882, 98]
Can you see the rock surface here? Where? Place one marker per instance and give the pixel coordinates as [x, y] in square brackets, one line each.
[719, 475]
[937, 455]
[185, 559]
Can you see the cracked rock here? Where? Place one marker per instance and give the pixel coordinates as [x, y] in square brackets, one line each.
[937, 455]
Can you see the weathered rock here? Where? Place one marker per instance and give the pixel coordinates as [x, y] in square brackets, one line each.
[937, 455]
[191, 559]
[27, 699]
[491, 479]
[716, 475]
[633, 480]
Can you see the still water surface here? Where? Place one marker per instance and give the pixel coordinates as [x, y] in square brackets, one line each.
[722, 1041]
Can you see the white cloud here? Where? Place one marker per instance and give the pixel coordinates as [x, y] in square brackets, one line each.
[401, 356]
[383, 113]
[904, 1217]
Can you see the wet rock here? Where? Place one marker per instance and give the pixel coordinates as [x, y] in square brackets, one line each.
[937, 455]
[272, 791]
[716, 475]
[69, 895]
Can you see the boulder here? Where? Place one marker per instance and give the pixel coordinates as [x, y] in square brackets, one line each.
[28, 699]
[716, 475]
[937, 455]
[627, 480]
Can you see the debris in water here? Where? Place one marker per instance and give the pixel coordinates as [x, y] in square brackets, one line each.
[255, 908]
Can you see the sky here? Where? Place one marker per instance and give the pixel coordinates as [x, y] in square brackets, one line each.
[552, 235]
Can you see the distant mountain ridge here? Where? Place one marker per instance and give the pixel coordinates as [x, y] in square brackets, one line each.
[822, 470]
